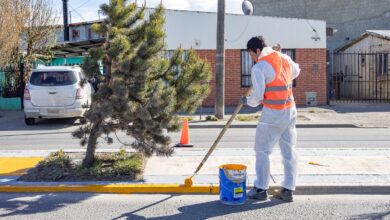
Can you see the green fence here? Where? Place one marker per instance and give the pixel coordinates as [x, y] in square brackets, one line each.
[9, 90]
[10, 103]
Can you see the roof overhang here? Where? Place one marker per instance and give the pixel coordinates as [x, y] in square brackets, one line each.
[77, 48]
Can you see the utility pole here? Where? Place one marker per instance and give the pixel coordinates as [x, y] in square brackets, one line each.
[100, 12]
[220, 65]
[65, 15]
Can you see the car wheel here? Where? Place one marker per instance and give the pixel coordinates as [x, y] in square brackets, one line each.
[29, 121]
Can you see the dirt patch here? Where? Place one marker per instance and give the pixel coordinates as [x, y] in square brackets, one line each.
[248, 117]
[361, 119]
[303, 118]
[62, 166]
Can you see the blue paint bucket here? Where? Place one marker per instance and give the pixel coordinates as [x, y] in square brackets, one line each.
[232, 184]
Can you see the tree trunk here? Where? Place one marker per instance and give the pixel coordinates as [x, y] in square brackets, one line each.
[91, 147]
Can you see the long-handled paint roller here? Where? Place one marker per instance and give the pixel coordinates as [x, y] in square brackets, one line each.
[188, 181]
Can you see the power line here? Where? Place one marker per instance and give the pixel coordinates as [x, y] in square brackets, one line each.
[243, 31]
[77, 13]
[83, 4]
[305, 16]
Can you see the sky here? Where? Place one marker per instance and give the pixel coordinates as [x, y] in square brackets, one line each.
[87, 10]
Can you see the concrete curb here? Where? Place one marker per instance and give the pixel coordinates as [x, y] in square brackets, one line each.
[114, 188]
[181, 189]
[220, 126]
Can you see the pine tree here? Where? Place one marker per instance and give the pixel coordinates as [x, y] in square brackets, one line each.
[141, 92]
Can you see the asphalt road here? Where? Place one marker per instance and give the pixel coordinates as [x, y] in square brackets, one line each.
[55, 134]
[110, 206]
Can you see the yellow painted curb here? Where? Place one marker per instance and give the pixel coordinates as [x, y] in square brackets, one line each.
[13, 166]
[115, 188]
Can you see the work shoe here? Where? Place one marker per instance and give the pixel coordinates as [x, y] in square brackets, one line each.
[285, 195]
[259, 194]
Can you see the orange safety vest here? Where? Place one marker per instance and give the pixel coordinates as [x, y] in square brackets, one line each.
[278, 93]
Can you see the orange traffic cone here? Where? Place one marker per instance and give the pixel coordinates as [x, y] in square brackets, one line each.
[185, 138]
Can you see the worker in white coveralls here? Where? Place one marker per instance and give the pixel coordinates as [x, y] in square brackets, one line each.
[272, 77]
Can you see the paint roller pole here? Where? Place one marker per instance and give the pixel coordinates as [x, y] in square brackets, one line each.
[188, 181]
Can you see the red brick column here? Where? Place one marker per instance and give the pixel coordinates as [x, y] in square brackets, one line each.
[233, 90]
[313, 75]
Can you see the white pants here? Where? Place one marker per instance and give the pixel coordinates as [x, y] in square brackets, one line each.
[276, 126]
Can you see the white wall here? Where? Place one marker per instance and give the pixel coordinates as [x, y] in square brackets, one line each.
[198, 30]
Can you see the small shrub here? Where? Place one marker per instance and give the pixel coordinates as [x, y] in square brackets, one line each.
[53, 168]
[247, 118]
[97, 168]
[112, 157]
[130, 166]
[59, 158]
[59, 166]
[211, 118]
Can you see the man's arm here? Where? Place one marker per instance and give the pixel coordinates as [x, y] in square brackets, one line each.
[296, 70]
[258, 84]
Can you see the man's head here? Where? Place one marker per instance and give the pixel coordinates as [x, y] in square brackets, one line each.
[254, 46]
[277, 47]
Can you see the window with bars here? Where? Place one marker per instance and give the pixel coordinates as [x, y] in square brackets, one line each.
[246, 66]
[247, 63]
[382, 64]
[291, 53]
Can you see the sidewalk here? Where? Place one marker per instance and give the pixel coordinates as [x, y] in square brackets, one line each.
[340, 171]
[341, 115]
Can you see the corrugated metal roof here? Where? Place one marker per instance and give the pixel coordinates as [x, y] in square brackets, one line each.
[384, 34]
[78, 48]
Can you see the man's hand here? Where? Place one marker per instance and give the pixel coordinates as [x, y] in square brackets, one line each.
[244, 100]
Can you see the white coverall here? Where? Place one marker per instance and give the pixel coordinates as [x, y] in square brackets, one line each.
[274, 126]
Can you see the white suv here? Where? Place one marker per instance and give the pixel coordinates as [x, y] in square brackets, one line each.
[56, 92]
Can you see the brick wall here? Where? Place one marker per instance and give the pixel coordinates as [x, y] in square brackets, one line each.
[312, 78]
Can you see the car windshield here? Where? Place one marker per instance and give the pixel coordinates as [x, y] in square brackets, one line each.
[53, 78]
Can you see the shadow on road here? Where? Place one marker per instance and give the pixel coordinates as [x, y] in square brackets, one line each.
[15, 172]
[205, 210]
[130, 214]
[372, 216]
[17, 205]
[14, 121]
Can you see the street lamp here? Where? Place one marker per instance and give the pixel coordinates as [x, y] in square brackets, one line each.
[247, 9]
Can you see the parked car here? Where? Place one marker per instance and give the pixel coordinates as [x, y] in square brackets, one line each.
[56, 92]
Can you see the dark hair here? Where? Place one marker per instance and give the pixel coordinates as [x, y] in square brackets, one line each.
[256, 43]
